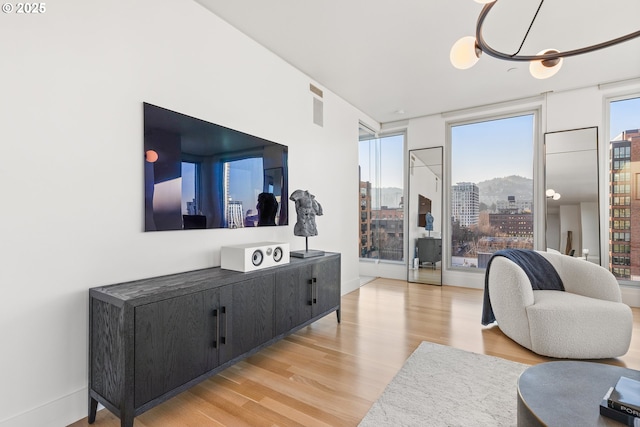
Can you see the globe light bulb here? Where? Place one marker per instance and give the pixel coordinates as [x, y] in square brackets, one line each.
[464, 53]
[543, 69]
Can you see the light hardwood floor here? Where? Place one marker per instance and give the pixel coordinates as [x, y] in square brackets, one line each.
[329, 374]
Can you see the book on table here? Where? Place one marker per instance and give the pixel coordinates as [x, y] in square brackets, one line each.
[621, 402]
[625, 396]
[614, 414]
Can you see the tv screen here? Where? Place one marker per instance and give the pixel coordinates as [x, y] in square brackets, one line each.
[202, 175]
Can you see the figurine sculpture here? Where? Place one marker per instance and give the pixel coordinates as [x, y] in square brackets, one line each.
[307, 208]
[428, 222]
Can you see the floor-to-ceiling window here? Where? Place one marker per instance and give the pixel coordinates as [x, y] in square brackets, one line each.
[492, 188]
[381, 214]
[190, 199]
[624, 189]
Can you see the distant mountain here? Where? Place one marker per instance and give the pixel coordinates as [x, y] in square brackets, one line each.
[490, 191]
[500, 188]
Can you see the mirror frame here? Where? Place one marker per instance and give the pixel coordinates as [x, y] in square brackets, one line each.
[574, 141]
[413, 221]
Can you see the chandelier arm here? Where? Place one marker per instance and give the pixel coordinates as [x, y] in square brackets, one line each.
[528, 29]
[484, 47]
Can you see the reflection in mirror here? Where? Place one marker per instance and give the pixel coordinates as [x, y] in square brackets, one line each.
[425, 216]
[202, 175]
[571, 187]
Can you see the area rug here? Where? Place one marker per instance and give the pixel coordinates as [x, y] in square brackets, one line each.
[444, 386]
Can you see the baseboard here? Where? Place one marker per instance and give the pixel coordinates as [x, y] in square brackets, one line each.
[387, 269]
[350, 285]
[61, 412]
[630, 295]
[469, 278]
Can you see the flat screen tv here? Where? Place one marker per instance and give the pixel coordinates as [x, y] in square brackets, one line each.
[202, 175]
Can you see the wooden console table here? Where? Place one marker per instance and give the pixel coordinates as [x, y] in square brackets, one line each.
[154, 338]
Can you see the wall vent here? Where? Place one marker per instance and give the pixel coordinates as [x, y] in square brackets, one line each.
[318, 115]
[315, 90]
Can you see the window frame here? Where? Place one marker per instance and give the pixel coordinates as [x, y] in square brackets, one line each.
[537, 171]
[608, 185]
[371, 135]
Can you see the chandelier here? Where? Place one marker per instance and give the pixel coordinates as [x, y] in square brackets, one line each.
[466, 51]
[551, 194]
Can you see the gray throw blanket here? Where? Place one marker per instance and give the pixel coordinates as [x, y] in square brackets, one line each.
[540, 272]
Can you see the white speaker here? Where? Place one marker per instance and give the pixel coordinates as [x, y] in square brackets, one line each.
[254, 256]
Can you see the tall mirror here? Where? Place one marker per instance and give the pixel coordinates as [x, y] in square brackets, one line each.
[571, 187]
[424, 210]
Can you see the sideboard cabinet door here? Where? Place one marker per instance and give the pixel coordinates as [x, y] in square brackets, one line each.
[252, 313]
[305, 292]
[293, 299]
[176, 340]
[326, 275]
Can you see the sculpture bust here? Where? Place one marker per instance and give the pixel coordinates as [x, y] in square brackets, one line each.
[428, 221]
[307, 207]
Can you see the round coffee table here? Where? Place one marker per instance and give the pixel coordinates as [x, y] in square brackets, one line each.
[567, 393]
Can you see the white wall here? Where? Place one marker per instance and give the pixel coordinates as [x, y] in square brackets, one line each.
[570, 221]
[74, 80]
[553, 231]
[590, 228]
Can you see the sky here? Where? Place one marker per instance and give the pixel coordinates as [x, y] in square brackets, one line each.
[391, 158]
[486, 150]
[624, 115]
[492, 149]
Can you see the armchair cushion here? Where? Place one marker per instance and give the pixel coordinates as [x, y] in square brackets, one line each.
[566, 325]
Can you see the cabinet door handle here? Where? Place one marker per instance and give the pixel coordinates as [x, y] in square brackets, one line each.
[315, 290]
[223, 338]
[310, 300]
[217, 328]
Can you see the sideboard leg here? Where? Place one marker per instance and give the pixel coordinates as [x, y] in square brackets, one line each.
[93, 408]
[338, 314]
[126, 421]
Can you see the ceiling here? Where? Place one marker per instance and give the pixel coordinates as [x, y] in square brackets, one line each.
[390, 59]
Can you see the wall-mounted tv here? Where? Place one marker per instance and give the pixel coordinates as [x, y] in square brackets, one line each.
[202, 175]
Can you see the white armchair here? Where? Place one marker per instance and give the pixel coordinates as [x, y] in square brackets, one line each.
[586, 321]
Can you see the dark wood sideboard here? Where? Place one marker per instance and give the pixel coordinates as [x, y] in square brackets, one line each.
[151, 339]
[429, 251]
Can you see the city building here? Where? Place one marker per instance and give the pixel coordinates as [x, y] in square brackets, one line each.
[512, 204]
[513, 224]
[365, 219]
[465, 203]
[514, 218]
[624, 228]
[387, 226]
